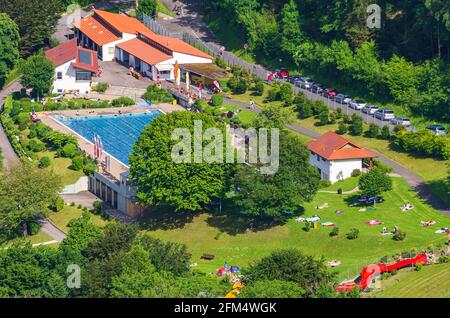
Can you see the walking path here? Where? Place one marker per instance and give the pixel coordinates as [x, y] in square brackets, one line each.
[344, 192]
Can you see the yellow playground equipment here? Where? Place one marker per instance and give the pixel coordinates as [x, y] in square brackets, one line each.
[236, 289]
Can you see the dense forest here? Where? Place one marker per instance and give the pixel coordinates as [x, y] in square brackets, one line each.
[405, 62]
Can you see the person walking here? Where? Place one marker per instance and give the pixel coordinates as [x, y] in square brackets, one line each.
[252, 104]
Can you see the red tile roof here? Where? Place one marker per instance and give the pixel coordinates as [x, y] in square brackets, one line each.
[144, 51]
[69, 51]
[93, 67]
[122, 23]
[176, 45]
[331, 146]
[97, 31]
[63, 53]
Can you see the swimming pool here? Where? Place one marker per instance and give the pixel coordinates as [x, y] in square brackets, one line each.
[118, 132]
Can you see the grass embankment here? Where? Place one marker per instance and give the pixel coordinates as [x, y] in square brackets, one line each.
[430, 282]
[230, 240]
[62, 218]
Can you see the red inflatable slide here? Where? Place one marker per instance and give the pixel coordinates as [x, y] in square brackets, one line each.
[369, 272]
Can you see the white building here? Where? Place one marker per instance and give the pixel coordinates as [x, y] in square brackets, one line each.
[128, 41]
[74, 67]
[336, 157]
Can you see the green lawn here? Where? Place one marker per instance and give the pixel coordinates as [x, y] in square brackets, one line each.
[346, 185]
[40, 237]
[161, 8]
[62, 218]
[431, 282]
[61, 166]
[245, 116]
[230, 241]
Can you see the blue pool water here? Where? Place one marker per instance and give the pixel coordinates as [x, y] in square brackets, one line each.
[118, 132]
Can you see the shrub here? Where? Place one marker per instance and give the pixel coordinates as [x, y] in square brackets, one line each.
[33, 228]
[334, 231]
[44, 162]
[101, 87]
[318, 107]
[356, 128]
[274, 92]
[333, 118]
[399, 236]
[342, 128]
[259, 88]
[89, 167]
[125, 101]
[418, 267]
[385, 133]
[69, 150]
[239, 85]
[424, 142]
[286, 94]
[57, 205]
[77, 163]
[304, 109]
[307, 227]
[356, 173]
[323, 118]
[32, 134]
[373, 131]
[324, 184]
[217, 100]
[35, 146]
[353, 234]
[444, 259]
[23, 119]
[157, 95]
[339, 191]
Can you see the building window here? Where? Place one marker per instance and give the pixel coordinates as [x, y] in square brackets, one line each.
[318, 158]
[59, 75]
[83, 76]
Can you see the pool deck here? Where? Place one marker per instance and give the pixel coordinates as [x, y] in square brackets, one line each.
[116, 167]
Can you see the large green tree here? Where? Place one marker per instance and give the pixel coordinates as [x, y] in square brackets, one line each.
[291, 34]
[274, 195]
[9, 46]
[36, 20]
[375, 182]
[26, 192]
[149, 7]
[37, 73]
[182, 185]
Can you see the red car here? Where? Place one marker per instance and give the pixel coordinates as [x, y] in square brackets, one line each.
[282, 73]
[329, 92]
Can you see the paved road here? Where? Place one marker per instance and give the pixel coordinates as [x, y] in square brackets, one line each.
[11, 158]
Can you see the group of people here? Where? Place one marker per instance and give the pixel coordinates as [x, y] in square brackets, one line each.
[385, 231]
[178, 10]
[407, 206]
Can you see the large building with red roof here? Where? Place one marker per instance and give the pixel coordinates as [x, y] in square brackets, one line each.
[74, 67]
[130, 42]
[336, 157]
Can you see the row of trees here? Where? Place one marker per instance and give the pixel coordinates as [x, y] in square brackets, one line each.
[118, 261]
[332, 41]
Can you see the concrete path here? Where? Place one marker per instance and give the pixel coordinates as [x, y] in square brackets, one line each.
[344, 192]
[85, 198]
[51, 230]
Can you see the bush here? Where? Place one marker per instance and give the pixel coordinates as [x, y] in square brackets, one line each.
[304, 109]
[307, 227]
[324, 184]
[342, 128]
[399, 236]
[157, 95]
[101, 87]
[69, 150]
[353, 234]
[339, 191]
[259, 88]
[286, 94]
[274, 93]
[356, 128]
[385, 133]
[217, 100]
[418, 267]
[57, 205]
[44, 162]
[323, 118]
[373, 131]
[77, 163]
[33, 227]
[35, 146]
[334, 232]
[125, 101]
[356, 173]
[89, 167]
[424, 142]
[23, 119]
[444, 259]
[239, 85]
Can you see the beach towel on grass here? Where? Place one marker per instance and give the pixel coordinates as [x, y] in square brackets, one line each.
[328, 224]
[373, 222]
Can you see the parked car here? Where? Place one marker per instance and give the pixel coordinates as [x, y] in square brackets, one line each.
[438, 129]
[341, 98]
[347, 99]
[400, 121]
[384, 114]
[294, 78]
[305, 82]
[369, 109]
[282, 73]
[357, 104]
[317, 89]
[369, 200]
[329, 93]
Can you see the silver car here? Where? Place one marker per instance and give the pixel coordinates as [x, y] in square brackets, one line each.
[384, 114]
[357, 104]
[369, 109]
[400, 121]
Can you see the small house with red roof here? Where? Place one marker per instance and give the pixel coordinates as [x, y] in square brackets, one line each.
[127, 40]
[336, 157]
[74, 67]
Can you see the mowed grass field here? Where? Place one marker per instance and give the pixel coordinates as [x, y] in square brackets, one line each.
[62, 218]
[431, 282]
[230, 240]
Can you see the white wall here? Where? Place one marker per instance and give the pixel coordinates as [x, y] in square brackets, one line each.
[344, 168]
[68, 81]
[80, 185]
[185, 59]
[324, 166]
[107, 56]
